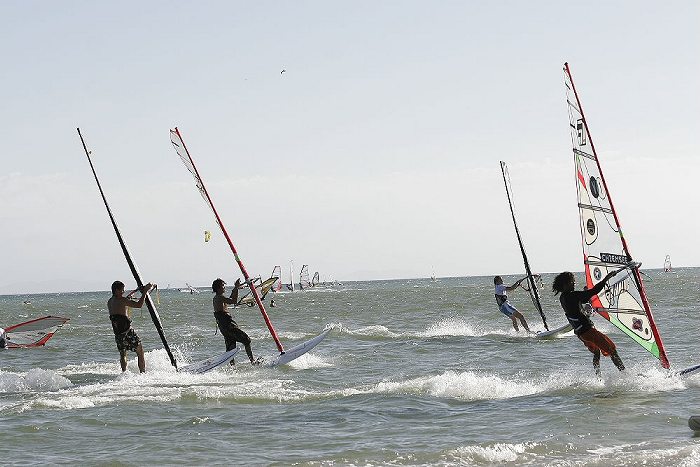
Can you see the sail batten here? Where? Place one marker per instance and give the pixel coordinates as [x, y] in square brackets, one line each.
[623, 302]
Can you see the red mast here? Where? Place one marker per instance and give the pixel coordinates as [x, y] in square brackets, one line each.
[203, 190]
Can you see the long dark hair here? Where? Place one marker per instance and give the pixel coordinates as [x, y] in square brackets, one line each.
[562, 281]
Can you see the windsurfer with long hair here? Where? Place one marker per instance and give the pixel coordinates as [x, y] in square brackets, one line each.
[572, 301]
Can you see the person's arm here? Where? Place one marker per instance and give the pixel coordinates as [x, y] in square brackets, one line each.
[588, 294]
[234, 292]
[144, 290]
[515, 286]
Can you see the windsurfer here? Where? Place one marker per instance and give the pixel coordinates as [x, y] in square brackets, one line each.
[2, 338]
[572, 302]
[505, 306]
[228, 327]
[124, 335]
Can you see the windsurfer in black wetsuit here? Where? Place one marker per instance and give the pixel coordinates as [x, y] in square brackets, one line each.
[228, 327]
[572, 302]
[124, 335]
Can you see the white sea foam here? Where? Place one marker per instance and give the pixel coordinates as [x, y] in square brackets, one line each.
[492, 453]
[308, 361]
[376, 330]
[34, 380]
[460, 327]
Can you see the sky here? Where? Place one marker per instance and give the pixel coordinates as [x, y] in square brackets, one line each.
[374, 155]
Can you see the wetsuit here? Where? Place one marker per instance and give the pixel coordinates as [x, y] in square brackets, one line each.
[583, 326]
[231, 332]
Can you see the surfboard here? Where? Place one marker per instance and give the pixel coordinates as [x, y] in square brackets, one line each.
[295, 352]
[694, 422]
[210, 363]
[689, 370]
[554, 333]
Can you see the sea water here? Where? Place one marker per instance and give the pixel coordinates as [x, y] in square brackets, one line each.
[414, 372]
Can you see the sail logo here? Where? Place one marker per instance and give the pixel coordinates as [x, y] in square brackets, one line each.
[590, 226]
[637, 324]
[580, 132]
[613, 258]
[593, 185]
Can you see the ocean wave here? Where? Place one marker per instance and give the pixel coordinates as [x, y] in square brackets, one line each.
[34, 380]
[493, 453]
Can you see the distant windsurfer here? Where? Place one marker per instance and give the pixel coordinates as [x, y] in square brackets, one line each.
[505, 306]
[124, 335]
[272, 303]
[3, 339]
[572, 302]
[228, 327]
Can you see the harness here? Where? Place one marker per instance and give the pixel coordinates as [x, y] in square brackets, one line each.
[120, 324]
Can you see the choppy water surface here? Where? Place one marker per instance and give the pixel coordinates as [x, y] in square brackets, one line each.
[414, 372]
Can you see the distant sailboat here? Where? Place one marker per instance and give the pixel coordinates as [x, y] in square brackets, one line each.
[188, 289]
[304, 282]
[667, 264]
[277, 285]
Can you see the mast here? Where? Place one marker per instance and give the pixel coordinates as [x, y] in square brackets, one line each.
[291, 273]
[189, 163]
[534, 293]
[635, 270]
[132, 266]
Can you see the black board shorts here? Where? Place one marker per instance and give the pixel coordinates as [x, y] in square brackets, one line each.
[233, 334]
[128, 340]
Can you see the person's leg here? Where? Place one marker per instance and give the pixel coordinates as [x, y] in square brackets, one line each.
[141, 358]
[243, 338]
[122, 360]
[515, 323]
[596, 362]
[520, 316]
[617, 360]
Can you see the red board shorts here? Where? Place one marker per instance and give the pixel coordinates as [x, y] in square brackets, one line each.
[596, 340]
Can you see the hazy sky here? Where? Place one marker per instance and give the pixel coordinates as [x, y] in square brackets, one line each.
[375, 155]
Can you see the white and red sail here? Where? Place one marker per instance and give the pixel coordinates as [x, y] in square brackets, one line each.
[623, 301]
[33, 333]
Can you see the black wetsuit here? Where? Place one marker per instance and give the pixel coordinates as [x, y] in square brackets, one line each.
[572, 301]
[230, 330]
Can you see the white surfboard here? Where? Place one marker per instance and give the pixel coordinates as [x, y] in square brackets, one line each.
[210, 363]
[554, 333]
[296, 351]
